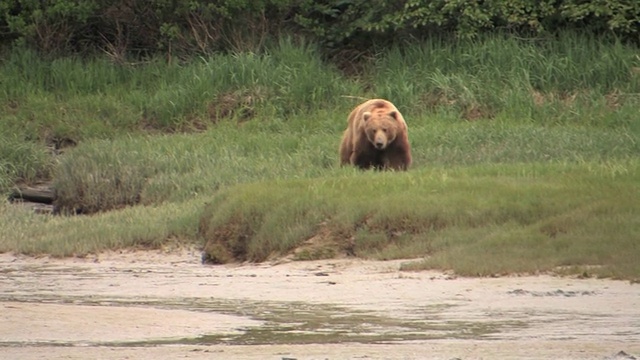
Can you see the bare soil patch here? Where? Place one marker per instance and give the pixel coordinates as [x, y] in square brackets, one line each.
[159, 304]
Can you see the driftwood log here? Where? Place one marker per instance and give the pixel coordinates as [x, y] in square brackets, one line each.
[41, 194]
[38, 197]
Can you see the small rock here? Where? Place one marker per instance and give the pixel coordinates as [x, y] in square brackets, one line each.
[624, 355]
[620, 356]
[518, 292]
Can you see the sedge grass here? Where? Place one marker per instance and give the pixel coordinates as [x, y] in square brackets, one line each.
[23, 162]
[154, 169]
[89, 98]
[144, 227]
[567, 80]
[571, 79]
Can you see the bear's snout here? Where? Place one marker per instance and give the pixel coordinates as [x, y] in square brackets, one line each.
[380, 140]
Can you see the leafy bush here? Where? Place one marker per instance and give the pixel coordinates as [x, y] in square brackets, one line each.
[120, 27]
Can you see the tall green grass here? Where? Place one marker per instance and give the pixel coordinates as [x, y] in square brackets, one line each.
[83, 99]
[52, 101]
[571, 79]
[105, 175]
[568, 80]
[23, 162]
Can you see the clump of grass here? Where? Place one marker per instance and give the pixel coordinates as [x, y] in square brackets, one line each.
[105, 175]
[476, 221]
[143, 227]
[599, 236]
[22, 162]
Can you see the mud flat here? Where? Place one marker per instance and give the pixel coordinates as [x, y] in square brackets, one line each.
[166, 305]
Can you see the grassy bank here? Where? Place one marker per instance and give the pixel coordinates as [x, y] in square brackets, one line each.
[474, 220]
[525, 155]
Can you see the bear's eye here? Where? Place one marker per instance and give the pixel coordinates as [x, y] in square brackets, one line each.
[384, 129]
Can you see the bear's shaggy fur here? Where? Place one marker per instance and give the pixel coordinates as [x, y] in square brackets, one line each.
[376, 137]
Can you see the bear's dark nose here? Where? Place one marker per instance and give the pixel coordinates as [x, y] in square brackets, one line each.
[379, 145]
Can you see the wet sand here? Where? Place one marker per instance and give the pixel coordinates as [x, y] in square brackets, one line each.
[165, 304]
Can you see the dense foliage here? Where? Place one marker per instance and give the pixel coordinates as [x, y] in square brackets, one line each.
[121, 27]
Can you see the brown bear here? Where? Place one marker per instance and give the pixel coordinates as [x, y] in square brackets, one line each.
[376, 137]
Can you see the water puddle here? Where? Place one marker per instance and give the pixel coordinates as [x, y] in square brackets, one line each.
[282, 322]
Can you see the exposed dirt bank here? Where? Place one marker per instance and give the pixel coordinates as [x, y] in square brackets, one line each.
[157, 305]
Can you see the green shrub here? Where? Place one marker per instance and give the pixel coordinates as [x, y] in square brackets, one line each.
[122, 29]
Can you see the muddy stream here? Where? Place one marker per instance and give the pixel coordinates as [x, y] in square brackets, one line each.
[166, 305]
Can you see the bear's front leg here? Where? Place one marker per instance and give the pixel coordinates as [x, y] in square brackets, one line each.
[397, 159]
[364, 159]
[358, 159]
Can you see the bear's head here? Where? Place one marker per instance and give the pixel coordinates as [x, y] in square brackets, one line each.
[381, 128]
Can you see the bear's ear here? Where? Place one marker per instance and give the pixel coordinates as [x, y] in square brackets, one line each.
[394, 114]
[366, 116]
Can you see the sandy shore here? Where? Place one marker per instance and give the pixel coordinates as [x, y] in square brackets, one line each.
[166, 305]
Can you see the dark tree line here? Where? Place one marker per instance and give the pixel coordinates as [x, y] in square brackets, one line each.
[129, 27]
